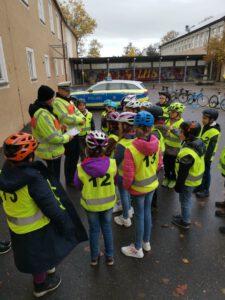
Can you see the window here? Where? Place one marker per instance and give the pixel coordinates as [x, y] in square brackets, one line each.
[58, 26]
[51, 16]
[62, 67]
[98, 87]
[41, 10]
[114, 86]
[3, 71]
[56, 67]
[31, 63]
[47, 66]
[129, 86]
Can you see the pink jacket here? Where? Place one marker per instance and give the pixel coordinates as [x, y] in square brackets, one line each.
[146, 148]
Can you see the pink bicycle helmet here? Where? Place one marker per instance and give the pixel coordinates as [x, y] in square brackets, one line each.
[126, 117]
[95, 139]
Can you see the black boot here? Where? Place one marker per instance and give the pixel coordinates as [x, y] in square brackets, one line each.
[202, 194]
[220, 204]
[5, 247]
[50, 284]
[220, 213]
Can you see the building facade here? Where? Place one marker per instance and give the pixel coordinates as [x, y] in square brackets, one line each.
[35, 46]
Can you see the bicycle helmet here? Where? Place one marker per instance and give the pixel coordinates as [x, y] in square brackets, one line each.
[190, 128]
[18, 146]
[211, 113]
[95, 139]
[165, 94]
[126, 117]
[133, 104]
[144, 118]
[107, 102]
[112, 116]
[145, 104]
[81, 100]
[176, 106]
[112, 104]
[127, 99]
[156, 111]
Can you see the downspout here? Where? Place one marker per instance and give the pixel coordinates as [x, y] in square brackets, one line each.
[64, 55]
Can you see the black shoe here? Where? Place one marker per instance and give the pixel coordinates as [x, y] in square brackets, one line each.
[5, 246]
[202, 194]
[220, 204]
[220, 213]
[196, 190]
[50, 284]
[177, 217]
[109, 261]
[180, 223]
[95, 261]
[222, 229]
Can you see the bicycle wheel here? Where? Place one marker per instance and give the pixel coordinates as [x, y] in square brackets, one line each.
[190, 99]
[183, 98]
[222, 104]
[213, 101]
[203, 100]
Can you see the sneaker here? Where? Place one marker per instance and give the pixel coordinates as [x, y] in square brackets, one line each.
[165, 182]
[131, 212]
[171, 184]
[202, 194]
[222, 229]
[50, 284]
[180, 223]
[95, 261]
[5, 246]
[220, 204]
[177, 217]
[146, 246]
[51, 271]
[109, 261]
[220, 213]
[132, 251]
[119, 220]
[117, 208]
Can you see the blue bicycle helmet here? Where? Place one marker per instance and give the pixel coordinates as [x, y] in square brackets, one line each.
[112, 104]
[107, 102]
[144, 118]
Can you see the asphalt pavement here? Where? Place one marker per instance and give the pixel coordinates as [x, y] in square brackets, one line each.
[186, 265]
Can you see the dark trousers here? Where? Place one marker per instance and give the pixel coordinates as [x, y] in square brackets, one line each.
[82, 146]
[169, 166]
[206, 180]
[54, 166]
[72, 152]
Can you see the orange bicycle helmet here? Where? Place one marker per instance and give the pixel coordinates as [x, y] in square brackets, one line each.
[18, 146]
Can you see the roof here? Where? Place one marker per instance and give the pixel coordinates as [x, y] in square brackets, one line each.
[120, 80]
[198, 27]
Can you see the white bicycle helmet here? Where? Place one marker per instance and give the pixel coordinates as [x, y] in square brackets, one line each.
[127, 99]
[126, 117]
[146, 104]
[133, 104]
[96, 138]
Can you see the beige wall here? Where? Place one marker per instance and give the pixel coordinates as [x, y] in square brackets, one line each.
[20, 27]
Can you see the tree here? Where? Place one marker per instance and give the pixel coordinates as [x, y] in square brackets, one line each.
[169, 36]
[94, 49]
[131, 50]
[151, 50]
[216, 52]
[81, 23]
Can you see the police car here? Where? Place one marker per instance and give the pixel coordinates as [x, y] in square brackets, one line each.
[114, 90]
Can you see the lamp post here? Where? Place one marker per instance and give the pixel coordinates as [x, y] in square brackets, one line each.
[160, 59]
[82, 70]
[134, 68]
[185, 69]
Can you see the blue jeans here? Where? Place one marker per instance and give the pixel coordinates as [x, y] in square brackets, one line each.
[206, 180]
[186, 203]
[100, 221]
[143, 218]
[124, 197]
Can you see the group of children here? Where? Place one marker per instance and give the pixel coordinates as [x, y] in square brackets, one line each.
[118, 172]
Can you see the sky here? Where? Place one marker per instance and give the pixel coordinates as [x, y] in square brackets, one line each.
[144, 22]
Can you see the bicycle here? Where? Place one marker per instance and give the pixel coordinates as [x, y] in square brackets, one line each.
[174, 94]
[199, 98]
[216, 100]
[183, 97]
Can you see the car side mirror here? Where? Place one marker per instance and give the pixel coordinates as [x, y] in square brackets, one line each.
[90, 91]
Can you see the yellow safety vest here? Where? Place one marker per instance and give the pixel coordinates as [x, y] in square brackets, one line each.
[196, 171]
[98, 194]
[145, 179]
[46, 129]
[103, 115]
[165, 111]
[160, 138]
[125, 143]
[172, 140]
[86, 128]
[222, 162]
[206, 137]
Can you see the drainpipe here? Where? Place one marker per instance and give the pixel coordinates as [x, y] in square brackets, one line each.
[64, 55]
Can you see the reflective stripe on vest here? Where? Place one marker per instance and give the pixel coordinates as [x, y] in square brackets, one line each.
[26, 220]
[196, 171]
[145, 179]
[84, 129]
[98, 193]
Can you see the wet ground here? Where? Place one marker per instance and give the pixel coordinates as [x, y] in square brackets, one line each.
[186, 265]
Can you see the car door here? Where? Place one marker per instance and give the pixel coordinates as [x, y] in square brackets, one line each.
[96, 94]
[114, 91]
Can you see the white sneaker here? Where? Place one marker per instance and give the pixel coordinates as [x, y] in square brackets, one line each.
[146, 246]
[131, 212]
[117, 208]
[122, 222]
[132, 251]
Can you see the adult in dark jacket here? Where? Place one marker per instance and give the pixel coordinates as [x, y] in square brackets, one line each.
[43, 223]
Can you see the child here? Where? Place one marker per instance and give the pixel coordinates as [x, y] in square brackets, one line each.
[113, 133]
[139, 178]
[86, 128]
[190, 167]
[95, 178]
[103, 115]
[164, 102]
[127, 133]
[133, 105]
[125, 100]
[43, 223]
[171, 132]
[210, 135]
